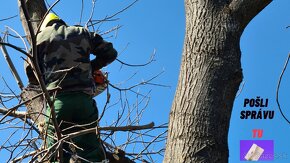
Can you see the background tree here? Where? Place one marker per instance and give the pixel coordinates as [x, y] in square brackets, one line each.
[209, 79]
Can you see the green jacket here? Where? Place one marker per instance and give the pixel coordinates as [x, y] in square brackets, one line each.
[64, 57]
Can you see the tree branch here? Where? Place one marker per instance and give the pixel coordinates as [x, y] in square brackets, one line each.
[15, 47]
[18, 36]
[121, 128]
[151, 143]
[11, 110]
[246, 10]
[11, 66]
[107, 18]
[151, 59]
[16, 114]
[92, 130]
[278, 89]
[11, 17]
[25, 156]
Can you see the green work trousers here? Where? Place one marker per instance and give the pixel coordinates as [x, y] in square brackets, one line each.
[76, 108]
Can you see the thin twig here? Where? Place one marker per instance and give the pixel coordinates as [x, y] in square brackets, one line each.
[82, 10]
[106, 104]
[278, 87]
[25, 156]
[117, 13]
[16, 48]
[17, 106]
[111, 30]
[141, 83]
[91, 14]
[150, 143]
[151, 59]
[19, 36]
[240, 89]
[120, 128]
[11, 66]
[17, 114]
[11, 17]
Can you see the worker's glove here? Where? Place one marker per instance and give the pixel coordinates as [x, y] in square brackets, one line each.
[100, 47]
[105, 54]
[105, 50]
[96, 40]
[118, 156]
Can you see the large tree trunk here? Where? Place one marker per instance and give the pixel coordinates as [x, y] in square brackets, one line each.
[209, 78]
[36, 10]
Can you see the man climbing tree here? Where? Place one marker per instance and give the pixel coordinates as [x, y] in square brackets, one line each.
[64, 57]
[48, 59]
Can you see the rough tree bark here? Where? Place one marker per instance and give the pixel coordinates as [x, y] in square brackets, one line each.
[209, 78]
[36, 11]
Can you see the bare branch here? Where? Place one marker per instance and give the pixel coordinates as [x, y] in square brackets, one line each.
[82, 10]
[151, 59]
[246, 10]
[91, 14]
[11, 17]
[92, 130]
[16, 48]
[25, 156]
[151, 143]
[11, 66]
[105, 107]
[16, 114]
[7, 95]
[111, 30]
[17, 106]
[107, 18]
[19, 36]
[240, 89]
[141, 83]
[278, 88]
[121, 128]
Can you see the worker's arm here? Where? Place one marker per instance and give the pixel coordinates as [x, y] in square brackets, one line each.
[104, 52]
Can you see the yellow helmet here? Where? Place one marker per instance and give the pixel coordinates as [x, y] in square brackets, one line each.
[49, 18]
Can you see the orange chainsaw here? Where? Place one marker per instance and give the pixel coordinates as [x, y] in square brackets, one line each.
[101, 81]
